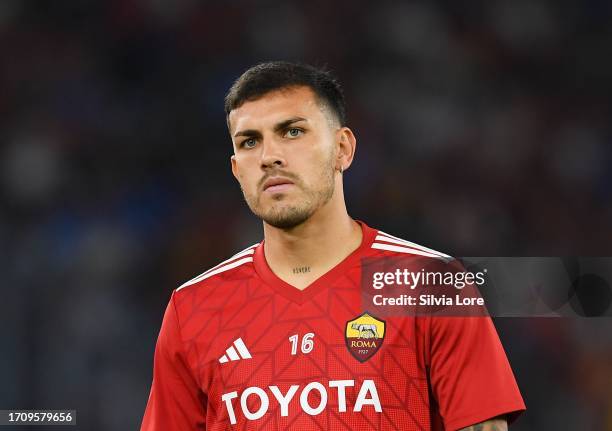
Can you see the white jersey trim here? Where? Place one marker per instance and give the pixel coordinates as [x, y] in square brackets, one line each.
[385, 237]
[405, 250]
[217, 271]
[225, 265]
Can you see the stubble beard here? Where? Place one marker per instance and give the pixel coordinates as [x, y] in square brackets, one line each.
[287, 216]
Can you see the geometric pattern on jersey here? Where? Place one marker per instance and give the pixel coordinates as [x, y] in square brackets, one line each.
[241, 303]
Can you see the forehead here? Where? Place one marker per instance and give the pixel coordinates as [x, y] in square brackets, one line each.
[276, 106]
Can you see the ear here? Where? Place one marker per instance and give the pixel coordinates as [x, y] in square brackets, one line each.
[347, 144]
[234, 167]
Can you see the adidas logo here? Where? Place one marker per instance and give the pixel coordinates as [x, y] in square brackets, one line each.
[236, 352]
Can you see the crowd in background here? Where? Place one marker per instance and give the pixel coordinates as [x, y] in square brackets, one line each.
[483, 129]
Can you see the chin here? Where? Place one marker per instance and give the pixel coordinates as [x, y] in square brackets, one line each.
[286, 218]
[286, 223]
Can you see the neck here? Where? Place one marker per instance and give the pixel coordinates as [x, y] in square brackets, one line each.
[302, 254]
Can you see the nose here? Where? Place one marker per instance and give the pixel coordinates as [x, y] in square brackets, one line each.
[272, 154]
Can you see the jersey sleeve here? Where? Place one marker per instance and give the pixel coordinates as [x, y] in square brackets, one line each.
[470, 376]
[176, 401]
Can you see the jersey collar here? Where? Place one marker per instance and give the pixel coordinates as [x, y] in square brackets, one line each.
[300, 296]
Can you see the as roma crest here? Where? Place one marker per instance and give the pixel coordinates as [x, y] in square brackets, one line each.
[364, 335]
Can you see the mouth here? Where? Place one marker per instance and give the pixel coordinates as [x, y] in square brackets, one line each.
[277, 185]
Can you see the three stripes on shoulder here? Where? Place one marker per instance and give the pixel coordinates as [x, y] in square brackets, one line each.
[236, 260]
[384, 241]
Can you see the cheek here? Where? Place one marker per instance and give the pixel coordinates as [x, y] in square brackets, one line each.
[317, 170]
[250, 182]
[245, 178]
[243, 167]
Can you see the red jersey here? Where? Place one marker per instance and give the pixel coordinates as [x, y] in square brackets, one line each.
[239, 348]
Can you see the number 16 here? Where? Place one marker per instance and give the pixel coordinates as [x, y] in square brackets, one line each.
[307, 343]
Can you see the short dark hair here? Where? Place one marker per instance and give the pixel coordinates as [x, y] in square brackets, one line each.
[277, 75]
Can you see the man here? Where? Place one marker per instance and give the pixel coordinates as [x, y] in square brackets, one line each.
[261, 341]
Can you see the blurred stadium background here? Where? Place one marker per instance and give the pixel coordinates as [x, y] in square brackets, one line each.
[483, 127]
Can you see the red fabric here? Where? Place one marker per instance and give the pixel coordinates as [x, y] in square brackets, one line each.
[176, 401]
[469, 373]
[427, 371]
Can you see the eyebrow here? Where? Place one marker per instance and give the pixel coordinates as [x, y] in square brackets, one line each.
[279, 126]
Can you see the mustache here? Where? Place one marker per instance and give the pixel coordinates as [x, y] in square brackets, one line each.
[278, 173]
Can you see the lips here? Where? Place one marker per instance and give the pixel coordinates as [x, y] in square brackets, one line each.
[276, 184]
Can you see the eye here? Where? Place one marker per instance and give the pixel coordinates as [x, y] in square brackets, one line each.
[248, 143]
[294, 132]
